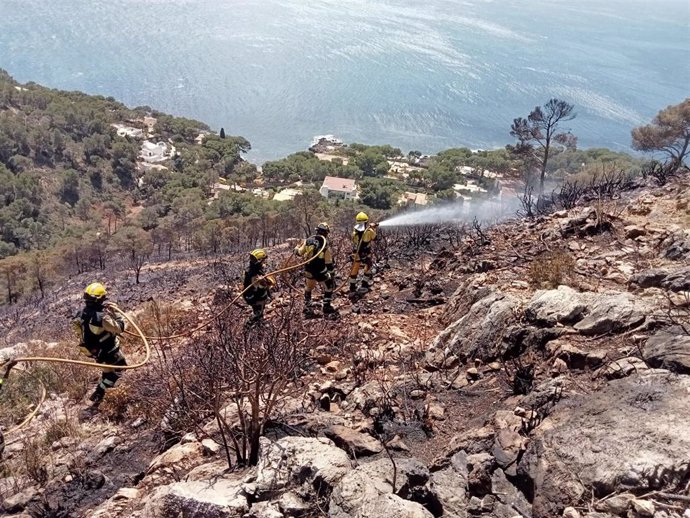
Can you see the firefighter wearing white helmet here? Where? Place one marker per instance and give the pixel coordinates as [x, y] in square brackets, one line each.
[98, 329]
[319, 270]
[256, 285]
[363, 236]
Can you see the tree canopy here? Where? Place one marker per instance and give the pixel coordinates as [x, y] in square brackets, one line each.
[669, 133]
[537, 133]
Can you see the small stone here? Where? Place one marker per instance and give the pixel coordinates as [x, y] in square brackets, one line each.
[210, 446]
[333, 366]
[188, 437]
[472, 373]
[417, 394]
[127, 493]
[396, 443]
[570, 512]
[436, 411]
[494, 367]
[107, 445]
[644, 508]
[559, 367]
[459, 382]
[617, 505]
[341, 374]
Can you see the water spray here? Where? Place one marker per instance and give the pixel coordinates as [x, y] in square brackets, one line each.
[489, 211]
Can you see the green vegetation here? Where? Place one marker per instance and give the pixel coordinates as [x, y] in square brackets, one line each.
[79, 192]
[669, 133]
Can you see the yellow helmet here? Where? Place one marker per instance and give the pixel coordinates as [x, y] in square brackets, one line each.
[95, 292]
[259, 254]
[361, 218]
[323, 228]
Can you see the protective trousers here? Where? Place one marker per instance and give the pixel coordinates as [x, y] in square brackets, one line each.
[109, 376]
[368, 262]
[328, 288]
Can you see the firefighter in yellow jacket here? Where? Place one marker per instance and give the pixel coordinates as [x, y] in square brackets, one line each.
[257, 286]
[363, 236]
[98, 329]
[320, 269]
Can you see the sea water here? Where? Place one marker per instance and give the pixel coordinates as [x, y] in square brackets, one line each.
[418, 75]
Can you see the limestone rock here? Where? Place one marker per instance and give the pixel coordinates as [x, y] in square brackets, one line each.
[450, 486]
[211, 499]
[298, 460]
[610, 313]
[507, 447]
[478, 333]
[353, 442]
[509, 495]
[367, 491]
[292, 504]
[19, 501]
[571, 512]
[643, 508]
[669, 350]
[617, 504]
[563, 305]
[625, 367]
[177, 460]
[632, 435]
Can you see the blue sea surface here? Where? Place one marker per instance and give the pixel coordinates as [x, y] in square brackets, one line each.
[418, 75]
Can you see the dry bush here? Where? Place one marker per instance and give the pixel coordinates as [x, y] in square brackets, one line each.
[239, 377]
[551, 269]
[34, 460]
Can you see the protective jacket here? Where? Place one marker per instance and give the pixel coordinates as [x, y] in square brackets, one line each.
[259, 289]
[323, 262]
[361, 241]
[99, 331]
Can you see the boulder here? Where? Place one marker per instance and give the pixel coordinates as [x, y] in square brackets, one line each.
[509, 495]
[18, 502]
[612, 312]
[368, 492]
[625, 367]
[676, 246]
[617, 504]
[677, 279]
[563, 305]
[479, 332]
[630, 436]
[669, 349]
[355, 443]
[300, 460]
[176, 461]
[210, 499]
[508, 446]
[450, 487]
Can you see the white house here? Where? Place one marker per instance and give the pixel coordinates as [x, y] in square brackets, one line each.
[335, 188]
[154, 152]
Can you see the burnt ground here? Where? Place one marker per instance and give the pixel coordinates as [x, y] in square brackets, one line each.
[408, 305]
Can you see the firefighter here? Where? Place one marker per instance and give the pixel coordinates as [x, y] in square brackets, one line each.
[257, 287]
[362, 237]
[321, 269]
[98, 328]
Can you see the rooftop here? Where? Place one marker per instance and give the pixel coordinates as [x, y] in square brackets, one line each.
[333, 183]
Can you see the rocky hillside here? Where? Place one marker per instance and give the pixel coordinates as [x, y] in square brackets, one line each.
[539, 368]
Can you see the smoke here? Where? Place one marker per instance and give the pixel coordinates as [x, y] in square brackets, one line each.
[486, 211]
